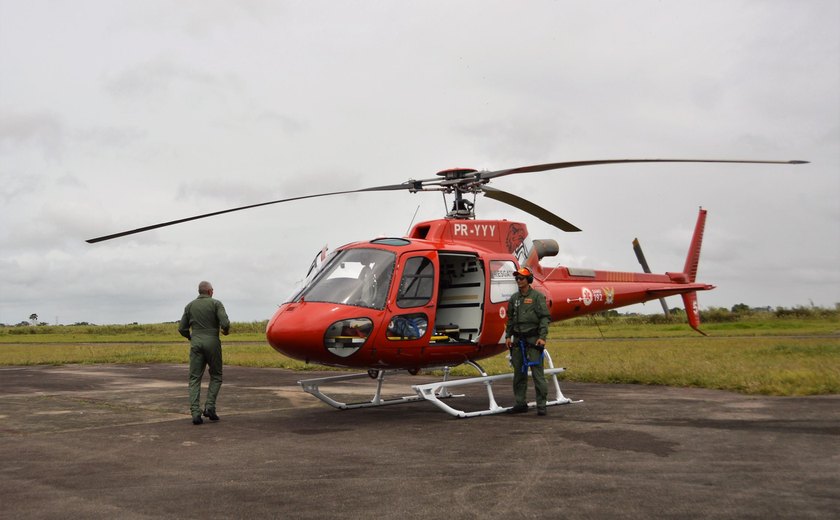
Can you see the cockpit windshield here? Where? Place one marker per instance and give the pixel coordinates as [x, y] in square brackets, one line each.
[358, 277]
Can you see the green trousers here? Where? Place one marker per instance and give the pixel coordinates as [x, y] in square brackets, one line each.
[205, 351]
[520, 379]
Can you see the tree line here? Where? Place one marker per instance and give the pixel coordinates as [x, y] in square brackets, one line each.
[737, 312]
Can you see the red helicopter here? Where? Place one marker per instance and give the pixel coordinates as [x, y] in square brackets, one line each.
[437, 298]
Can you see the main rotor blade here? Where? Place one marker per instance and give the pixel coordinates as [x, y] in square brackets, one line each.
[574, 164]
[392, 187]
[528, 207]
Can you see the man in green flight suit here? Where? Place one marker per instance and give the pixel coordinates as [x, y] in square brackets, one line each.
[527, 320]
[201, 322]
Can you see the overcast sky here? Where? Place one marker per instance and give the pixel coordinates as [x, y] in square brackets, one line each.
[115, 115]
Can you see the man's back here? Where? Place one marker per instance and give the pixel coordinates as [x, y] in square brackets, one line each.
[205, 316]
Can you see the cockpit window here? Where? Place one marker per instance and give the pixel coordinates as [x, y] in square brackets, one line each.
[358, 277]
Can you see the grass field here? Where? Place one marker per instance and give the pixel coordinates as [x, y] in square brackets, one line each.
[791, 356]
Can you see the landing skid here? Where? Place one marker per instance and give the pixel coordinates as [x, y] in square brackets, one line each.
[433, 392]
[312, 386]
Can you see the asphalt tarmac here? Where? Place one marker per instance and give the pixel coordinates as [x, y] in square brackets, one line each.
[116, 441]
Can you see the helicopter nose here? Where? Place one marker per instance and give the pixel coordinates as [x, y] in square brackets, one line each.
[286, 335]
[316, 332]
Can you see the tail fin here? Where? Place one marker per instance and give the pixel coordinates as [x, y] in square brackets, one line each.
[692, 310]
[693, 258]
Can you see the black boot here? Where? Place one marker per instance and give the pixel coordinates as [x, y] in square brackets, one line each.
[197, 419]
[210, 413]
[520, 408]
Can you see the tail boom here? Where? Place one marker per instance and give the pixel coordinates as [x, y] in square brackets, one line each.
[574, 291]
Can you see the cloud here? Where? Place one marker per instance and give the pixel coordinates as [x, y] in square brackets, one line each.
[135, 114]
[42, 130]
[165, 77]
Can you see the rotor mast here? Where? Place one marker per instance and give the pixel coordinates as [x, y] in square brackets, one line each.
[460, 181]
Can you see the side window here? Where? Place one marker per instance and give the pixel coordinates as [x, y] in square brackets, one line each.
[417, 283]
[502, 282]
[408, 326]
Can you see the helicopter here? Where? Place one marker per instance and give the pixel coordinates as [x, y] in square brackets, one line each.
[437, 297]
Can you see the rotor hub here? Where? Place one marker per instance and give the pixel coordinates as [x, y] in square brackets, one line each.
[456, 173]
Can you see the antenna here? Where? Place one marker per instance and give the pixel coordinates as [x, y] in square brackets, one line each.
[407, 231]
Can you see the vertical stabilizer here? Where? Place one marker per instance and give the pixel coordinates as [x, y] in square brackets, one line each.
[693, 258]
[692, 310]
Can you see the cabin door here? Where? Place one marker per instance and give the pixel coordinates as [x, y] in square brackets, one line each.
[460, 303]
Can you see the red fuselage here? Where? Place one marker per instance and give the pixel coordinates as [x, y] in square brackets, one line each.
[438, 297]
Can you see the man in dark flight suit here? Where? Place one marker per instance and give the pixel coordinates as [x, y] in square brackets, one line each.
[201, 322]
[527, 319]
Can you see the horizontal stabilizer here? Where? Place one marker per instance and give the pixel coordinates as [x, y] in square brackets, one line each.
[680, 288]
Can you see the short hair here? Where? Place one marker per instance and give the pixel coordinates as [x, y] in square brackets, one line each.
[205, 288]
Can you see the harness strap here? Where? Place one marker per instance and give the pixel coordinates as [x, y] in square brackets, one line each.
[523, 347]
